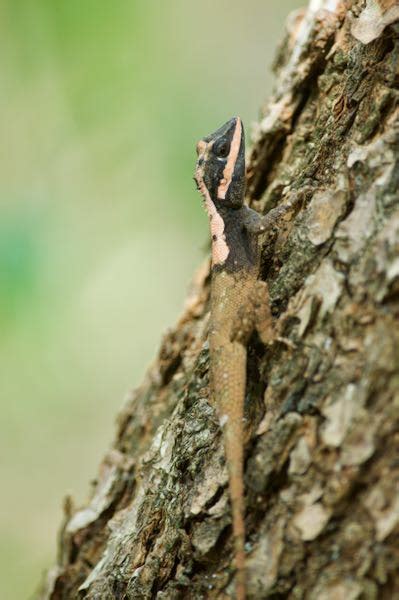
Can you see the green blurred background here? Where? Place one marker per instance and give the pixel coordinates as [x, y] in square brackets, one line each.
[101, 104]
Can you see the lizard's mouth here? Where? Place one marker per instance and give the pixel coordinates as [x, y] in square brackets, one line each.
[199, 180]
[201, 147]
[202, 150]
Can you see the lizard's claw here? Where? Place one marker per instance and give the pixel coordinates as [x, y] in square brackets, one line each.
[286, 342]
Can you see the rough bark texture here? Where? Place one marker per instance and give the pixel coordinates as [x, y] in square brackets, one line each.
[322, 457]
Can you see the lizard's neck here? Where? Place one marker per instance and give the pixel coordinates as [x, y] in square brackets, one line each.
[240, 250]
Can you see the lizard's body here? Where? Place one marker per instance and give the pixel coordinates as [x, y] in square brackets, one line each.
[239, 301]
[228, 363]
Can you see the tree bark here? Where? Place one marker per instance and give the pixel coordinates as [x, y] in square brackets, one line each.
[322, 452]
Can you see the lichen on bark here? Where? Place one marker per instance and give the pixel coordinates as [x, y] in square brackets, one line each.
[322, 471]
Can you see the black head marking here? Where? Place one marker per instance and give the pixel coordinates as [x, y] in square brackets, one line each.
[221, 164]
[220, 177]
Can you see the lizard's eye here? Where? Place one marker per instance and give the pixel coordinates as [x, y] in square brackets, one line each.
[221, 148]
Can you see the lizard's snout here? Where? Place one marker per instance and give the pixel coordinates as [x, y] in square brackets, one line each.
[200, 147]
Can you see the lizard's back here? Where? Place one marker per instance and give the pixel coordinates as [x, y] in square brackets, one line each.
[230, 294]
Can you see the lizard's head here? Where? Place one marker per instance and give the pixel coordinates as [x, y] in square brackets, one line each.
[220, 171]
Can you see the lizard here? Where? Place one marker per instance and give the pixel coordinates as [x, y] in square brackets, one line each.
[239, 300]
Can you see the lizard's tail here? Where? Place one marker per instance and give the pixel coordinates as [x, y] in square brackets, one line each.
[228, 378]
[230, 388]
[235, 457]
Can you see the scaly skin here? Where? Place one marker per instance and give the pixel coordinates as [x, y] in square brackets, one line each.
[228, 377]
[239, 301]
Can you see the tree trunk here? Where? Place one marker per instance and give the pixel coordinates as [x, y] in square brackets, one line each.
[322, 452]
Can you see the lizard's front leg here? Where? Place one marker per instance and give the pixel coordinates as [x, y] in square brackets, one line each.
[257, 224]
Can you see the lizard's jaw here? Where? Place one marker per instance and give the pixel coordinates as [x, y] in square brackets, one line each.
[220, 249]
